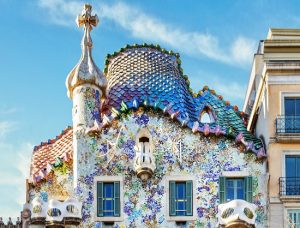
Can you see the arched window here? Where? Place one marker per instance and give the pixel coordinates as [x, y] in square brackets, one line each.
[207, 116]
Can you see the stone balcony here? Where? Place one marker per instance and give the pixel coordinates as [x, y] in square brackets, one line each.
[237, 213]
[53, 213]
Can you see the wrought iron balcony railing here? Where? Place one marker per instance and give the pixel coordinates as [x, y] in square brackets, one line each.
[288, 124]
[289, 186]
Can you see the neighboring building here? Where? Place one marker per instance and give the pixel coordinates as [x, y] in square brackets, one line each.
[273, 105]
[144, 151]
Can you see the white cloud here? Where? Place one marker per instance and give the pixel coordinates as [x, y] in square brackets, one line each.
[233, 91]
[149, 28]
[61, 12]
[6, 127]
[14, 169]
[230, 91]
[5, 111]
[13, 174]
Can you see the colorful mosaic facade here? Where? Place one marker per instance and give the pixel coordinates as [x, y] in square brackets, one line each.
[144, 203]
[144, 88]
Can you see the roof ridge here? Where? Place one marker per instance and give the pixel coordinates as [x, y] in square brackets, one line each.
[52, 141]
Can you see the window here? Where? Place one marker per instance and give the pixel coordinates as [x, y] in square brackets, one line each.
[293, 218]
[108, 199]
[231, 188]
[292, 175]
[292, 106]
[181, 198]
[292, 114]
[206, 116]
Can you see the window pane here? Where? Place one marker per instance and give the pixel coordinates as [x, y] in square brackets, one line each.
[289, 106]
[181, 190]
[297, 108]
[234, 189]
[180, 198]
[108, 199]
[290, 166]
[240, 189]
[229, 189]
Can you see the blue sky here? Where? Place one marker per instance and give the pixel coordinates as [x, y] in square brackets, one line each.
[40, 44]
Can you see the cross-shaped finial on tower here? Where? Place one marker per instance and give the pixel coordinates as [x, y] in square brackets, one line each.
[86, 19]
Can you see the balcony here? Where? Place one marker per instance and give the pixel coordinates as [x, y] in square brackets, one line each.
[237, 213]
[289, 188]
[288, 129]
[52, 213]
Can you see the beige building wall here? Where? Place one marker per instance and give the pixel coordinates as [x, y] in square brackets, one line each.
[275, 74]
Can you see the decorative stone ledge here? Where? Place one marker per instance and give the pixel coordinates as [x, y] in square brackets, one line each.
[288, 137]
[290, 198]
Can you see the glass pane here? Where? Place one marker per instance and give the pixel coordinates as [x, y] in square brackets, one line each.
[180, 190]
[290, 166]
[229, 189]
[108, 199]
[234, 189]
[180, 198]
[297, 108]
[240, 189]
[297, 166]
[289, 106]
[108, 190]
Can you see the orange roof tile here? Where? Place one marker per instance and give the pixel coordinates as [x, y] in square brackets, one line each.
[45, 155]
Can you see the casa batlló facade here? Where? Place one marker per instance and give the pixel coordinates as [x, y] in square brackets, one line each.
[145, 151]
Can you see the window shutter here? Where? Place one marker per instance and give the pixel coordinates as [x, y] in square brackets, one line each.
[100, 199]
[172, 198]
[222, 185]
[189, 198]
[117, 199]
[248, 189]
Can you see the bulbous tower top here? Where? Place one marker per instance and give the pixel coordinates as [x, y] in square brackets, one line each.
[86, 71]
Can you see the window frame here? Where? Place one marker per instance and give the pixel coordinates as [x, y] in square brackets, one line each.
[235, 175]
[284, 95]
[235, 187]
[180, 178]
[288, 210]
[108, 179]
[288, 207]
[285, 154]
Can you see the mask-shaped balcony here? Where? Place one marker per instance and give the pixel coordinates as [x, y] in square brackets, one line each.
[237, 213]
[54, 213]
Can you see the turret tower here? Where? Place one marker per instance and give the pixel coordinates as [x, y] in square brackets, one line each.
[86, 86]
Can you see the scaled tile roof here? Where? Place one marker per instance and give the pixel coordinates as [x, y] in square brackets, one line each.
[51, 153]
[146, 75]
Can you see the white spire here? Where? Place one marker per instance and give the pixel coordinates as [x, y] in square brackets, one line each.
[86, 70]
